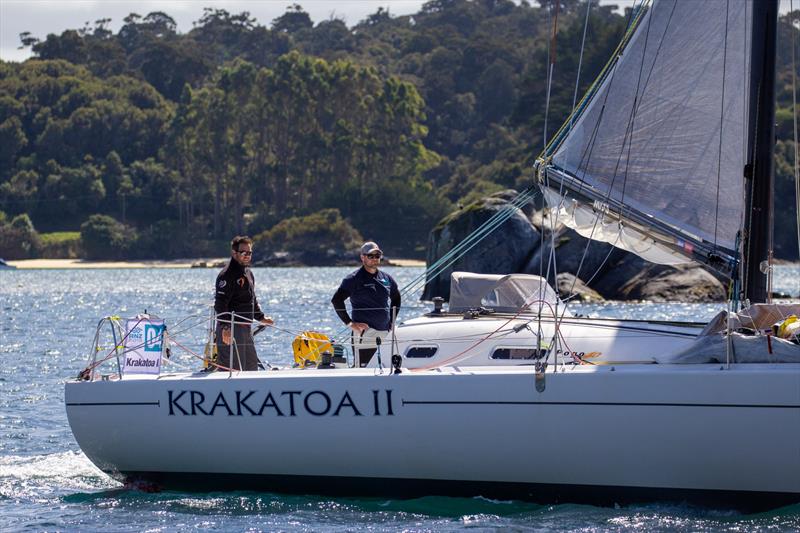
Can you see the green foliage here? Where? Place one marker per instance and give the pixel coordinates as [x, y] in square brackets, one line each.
[60, 245]
[12, 141]
[784, 121]
[293, 21]
[164, 239]
[235, 125]
[289, 137]
[414, 211]
[22, 223]
[313, 237]
[18, 238]
[786, 240]
[103, 238]
[62, 119]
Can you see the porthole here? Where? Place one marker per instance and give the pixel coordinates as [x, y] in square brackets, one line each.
[517, 353]
[421, 352]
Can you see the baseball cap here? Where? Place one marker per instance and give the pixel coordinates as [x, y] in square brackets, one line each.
[369, 247]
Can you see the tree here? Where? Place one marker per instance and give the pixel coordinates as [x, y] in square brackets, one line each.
[21, 190]
[18, 238]
[102, 237]
[329, 39]
[12, 141]
[313, 238]
[159, 24]
[27, 40]
[293, 20]
[69, 46]
[168, 66]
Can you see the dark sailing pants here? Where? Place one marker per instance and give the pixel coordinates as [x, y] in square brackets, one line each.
[244, 349]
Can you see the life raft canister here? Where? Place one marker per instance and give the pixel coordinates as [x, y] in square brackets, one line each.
[309, 346]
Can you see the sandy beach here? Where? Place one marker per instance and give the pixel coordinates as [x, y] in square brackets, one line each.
[177, 263]
[407, 262]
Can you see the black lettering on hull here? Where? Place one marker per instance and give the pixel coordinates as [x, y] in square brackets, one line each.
[238, 403]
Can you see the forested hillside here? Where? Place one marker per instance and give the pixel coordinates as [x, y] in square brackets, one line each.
[164, 144]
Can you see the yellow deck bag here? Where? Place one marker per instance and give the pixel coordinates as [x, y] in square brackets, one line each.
[309, 346]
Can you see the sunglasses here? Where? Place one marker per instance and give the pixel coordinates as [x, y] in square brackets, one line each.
[244, 252]
[374, 256]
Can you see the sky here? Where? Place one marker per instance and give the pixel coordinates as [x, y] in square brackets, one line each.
[41, 17]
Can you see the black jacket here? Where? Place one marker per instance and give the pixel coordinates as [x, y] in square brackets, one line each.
[236, 291]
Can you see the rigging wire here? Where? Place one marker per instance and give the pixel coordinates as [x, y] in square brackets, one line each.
[551, 261]
[634, 18]
[551, 68]
[471, 240]
[637, 102]
[500, 216]
[580, 62]
[551, 257]
[465, 353]
[748, 188]
[793, 28]
[721, 120]
[628, 135]
[586, 157]
[551, 64]
[553, 218]
[610, 74]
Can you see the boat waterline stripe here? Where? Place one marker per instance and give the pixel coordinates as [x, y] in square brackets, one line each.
[604, 404]
[73, 404]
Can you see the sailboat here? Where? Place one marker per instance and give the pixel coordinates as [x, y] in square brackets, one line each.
[505, 393]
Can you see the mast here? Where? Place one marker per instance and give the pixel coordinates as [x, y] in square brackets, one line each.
[759, 175]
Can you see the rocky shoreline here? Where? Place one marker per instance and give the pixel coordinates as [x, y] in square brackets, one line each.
[588, 271]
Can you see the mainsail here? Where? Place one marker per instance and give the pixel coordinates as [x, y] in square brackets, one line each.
[653, 161]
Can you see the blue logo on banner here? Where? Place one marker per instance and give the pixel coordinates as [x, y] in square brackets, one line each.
[152, 338]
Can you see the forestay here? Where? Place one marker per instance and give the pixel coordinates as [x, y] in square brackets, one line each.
[654, 162]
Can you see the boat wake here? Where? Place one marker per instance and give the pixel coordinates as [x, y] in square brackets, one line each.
[43, 476]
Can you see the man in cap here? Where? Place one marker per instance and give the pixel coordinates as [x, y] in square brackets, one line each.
[375, 301]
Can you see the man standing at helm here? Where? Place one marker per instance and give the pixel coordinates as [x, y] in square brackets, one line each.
[375, 301]
[236, 300]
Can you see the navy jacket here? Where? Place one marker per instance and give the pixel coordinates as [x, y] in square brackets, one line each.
[371, 296]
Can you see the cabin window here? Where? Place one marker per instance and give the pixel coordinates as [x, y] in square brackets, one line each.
[517, 353]
[421, 351]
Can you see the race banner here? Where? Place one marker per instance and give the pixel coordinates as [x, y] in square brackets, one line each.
[143, 346]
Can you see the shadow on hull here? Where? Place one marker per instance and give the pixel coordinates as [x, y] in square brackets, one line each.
[606, 496]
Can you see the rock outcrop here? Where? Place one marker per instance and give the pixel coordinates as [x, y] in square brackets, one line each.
[505, 250]
[573, 288]
[592, 270]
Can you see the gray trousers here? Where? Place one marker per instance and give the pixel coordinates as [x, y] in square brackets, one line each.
[244, 349]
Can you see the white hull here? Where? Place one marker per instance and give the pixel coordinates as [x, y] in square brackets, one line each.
[593, 340]
[603, 433]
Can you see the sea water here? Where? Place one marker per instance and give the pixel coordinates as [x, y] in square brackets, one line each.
[47, 322]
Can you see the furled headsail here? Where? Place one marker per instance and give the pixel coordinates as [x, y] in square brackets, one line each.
[652, 160]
